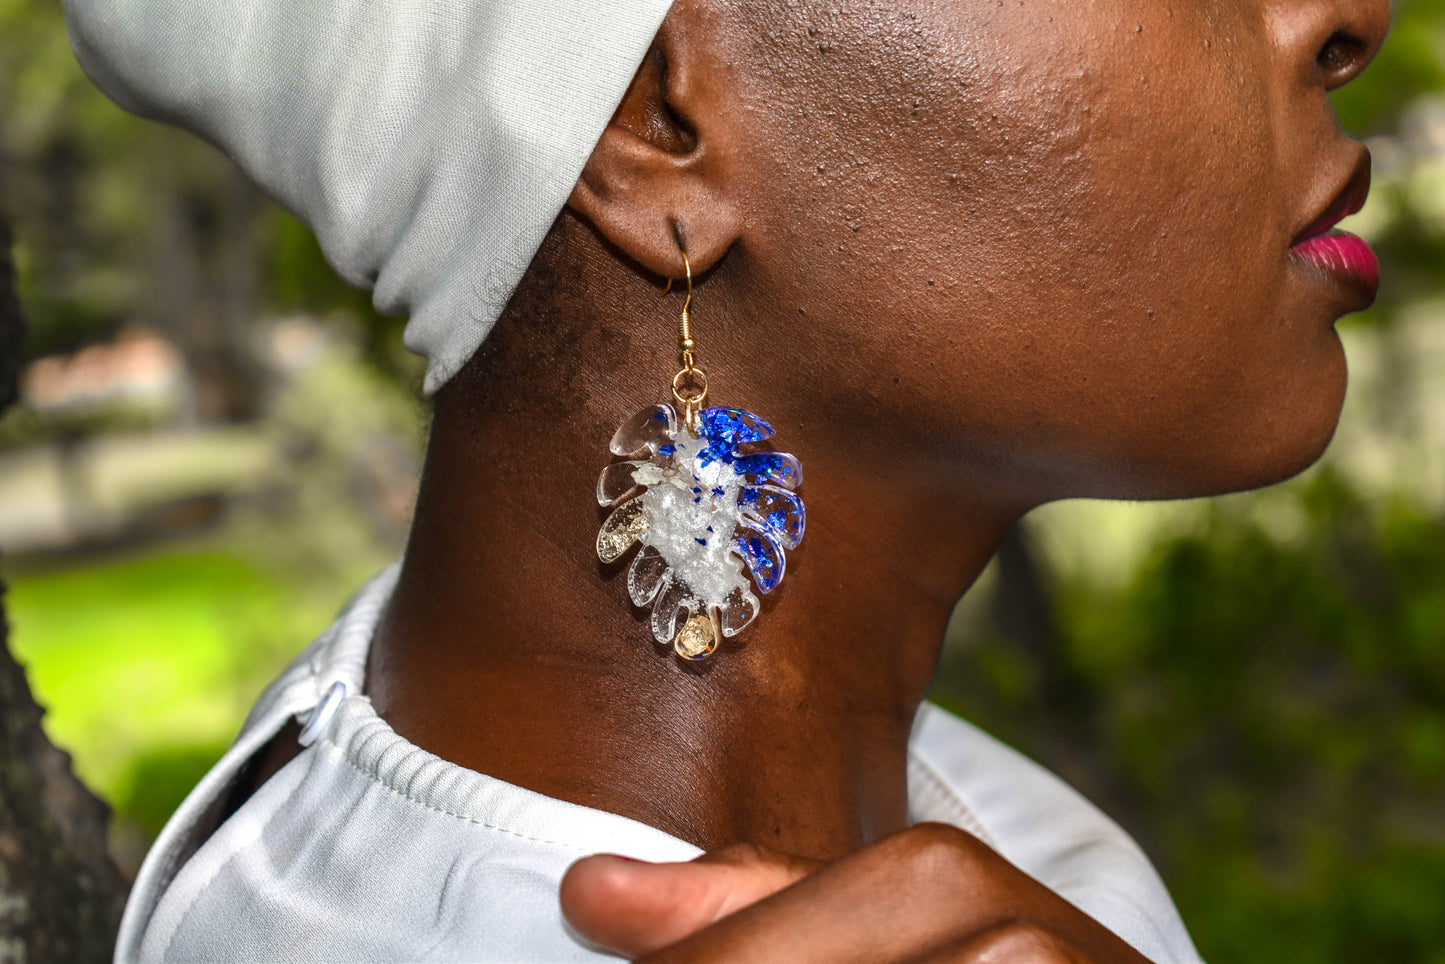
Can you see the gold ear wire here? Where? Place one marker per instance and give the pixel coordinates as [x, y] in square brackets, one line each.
[686, 266]
[691, 401]
[685, 343]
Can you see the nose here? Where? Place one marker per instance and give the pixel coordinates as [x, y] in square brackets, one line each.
[1332, 41]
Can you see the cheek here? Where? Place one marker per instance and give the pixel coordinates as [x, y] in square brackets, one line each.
[1084, 233]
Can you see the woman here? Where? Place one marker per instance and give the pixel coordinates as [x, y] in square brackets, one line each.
[965, 258]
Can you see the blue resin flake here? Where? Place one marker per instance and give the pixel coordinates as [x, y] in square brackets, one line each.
[730, 427]
[764, 559]
[779, 467]
[708, 515]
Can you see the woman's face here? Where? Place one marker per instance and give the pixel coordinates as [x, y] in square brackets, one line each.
[1054, 238]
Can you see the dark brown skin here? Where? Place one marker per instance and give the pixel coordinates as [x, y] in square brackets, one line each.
[967, 257]
[930, 893]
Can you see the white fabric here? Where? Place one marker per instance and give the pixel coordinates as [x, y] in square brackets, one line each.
[368, 848]
[430, 144]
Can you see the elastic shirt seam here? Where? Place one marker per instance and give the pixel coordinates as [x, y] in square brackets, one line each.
[374, 778]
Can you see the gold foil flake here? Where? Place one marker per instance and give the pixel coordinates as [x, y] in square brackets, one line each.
[626, 523]
[697, 638]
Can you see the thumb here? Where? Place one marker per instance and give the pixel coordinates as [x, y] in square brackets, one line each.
[634, 908]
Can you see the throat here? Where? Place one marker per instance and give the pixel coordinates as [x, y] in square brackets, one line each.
[748, 747]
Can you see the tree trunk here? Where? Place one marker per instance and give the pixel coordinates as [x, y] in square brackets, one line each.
[60, 894]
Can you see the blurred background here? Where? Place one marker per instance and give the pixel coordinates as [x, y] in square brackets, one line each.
[217, 441]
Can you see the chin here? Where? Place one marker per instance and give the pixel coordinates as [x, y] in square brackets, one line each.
[1286, 463]
[1289, 435]
[1283, 432]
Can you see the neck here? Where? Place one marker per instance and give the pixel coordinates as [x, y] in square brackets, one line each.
[509, 649]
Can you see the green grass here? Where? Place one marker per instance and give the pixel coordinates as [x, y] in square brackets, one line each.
[148, 665]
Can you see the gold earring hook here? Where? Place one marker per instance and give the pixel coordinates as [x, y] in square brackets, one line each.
[685, 343]
[691, 376]
[687, 267]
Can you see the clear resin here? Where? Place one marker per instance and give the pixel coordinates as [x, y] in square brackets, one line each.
[709, 520]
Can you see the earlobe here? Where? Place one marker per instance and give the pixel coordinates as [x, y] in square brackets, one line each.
[654, 185]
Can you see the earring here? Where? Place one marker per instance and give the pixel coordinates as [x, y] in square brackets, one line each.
[702, 510]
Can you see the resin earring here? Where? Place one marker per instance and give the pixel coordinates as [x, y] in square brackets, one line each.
[706, 514]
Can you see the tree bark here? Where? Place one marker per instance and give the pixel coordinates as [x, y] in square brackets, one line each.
[60, 894]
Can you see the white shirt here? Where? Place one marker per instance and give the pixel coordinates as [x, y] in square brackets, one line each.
[366, 847]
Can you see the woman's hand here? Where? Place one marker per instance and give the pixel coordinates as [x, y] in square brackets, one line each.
[931, 893]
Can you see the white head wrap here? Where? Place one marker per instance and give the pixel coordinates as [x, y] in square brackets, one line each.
[428, 143]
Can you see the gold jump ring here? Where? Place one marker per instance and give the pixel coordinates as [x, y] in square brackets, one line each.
[693, 399]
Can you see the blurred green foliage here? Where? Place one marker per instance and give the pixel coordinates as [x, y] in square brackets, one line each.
[183, 631]
[1267, 716]
[1283, 705]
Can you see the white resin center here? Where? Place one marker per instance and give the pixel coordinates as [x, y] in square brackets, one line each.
[693, 512]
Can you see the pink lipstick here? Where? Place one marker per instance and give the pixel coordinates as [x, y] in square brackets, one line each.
[1343, 256]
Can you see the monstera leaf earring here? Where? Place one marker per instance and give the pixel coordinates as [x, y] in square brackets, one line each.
[708, 510]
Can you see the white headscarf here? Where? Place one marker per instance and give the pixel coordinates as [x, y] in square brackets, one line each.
[428, 143]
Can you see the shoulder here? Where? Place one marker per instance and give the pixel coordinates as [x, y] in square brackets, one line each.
[960, 775]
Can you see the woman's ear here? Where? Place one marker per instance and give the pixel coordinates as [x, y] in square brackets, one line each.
[657, 183]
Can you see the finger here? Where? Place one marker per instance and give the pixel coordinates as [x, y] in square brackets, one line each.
[633, 907]
[915, 895]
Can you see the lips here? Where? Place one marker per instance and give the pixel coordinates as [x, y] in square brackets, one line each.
[1339, 255]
